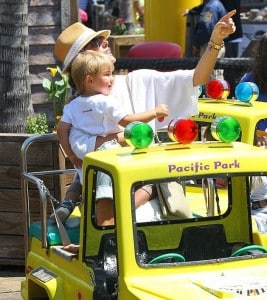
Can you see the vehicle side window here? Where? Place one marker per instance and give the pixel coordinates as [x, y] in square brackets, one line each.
[186, 199]
[102, 193]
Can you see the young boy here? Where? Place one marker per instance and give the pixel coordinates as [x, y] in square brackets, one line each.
[95, 113]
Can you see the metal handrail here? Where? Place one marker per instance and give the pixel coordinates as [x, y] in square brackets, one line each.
[27, 177]
[208, 186]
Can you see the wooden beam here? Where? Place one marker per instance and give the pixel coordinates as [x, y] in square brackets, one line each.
[69, 12]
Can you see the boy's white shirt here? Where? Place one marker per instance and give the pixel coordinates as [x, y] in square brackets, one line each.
[95, 115]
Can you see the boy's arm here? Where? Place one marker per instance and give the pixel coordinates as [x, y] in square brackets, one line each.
[158, 112]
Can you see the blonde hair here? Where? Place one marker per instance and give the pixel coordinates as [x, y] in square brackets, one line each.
[88, 62]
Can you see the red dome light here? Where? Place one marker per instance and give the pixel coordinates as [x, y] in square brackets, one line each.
[182, 130]
[218, 89]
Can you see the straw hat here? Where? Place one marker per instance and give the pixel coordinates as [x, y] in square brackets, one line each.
[73, 39]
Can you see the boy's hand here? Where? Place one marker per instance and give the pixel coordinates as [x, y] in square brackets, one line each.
[161, 110]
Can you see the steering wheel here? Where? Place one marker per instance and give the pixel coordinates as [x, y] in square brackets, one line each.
[177, 257]
[245, 249]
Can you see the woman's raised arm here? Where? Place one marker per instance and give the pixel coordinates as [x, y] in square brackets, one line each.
[222, 29]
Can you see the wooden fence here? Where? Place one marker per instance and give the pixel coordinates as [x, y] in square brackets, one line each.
[41, 157]
[46, 20]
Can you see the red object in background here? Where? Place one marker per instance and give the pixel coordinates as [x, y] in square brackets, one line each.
[83, 15]
[182, 130]
[218, 89]
[156, 50]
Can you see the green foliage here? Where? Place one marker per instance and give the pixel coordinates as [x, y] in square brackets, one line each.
[37, 124]
[57, 89]
[119, 27]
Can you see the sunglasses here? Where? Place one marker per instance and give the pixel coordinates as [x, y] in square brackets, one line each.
[96, 42]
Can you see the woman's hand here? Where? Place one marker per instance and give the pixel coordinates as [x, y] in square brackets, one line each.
[223, 28]
[261, 142]
[119, 137]
[76, 162]
[63, 131]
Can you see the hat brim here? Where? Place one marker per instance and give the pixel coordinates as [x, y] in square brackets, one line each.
[84, 42]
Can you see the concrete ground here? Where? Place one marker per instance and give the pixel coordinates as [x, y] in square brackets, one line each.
[10, 279]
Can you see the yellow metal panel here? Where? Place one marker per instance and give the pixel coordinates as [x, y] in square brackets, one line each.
[181, 160]
[164, 20]
[247, 115]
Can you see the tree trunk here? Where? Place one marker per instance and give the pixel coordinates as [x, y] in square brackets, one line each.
[15, 94]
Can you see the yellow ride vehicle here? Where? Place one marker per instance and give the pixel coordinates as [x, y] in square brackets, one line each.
[196, 240]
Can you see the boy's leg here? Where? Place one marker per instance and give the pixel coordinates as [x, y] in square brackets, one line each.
[105, 212]
[72, 197]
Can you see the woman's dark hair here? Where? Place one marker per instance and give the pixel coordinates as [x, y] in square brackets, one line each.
[259, 68]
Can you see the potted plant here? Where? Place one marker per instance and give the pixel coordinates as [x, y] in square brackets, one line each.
[37, 124]
[57, 90]
[119, 27]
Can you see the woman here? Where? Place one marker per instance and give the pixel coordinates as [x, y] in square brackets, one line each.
[258, 75]
[137, 91]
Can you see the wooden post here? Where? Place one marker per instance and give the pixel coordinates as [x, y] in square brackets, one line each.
[69, 13]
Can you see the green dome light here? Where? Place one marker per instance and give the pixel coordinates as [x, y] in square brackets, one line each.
[225, 129]
[138, 134]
